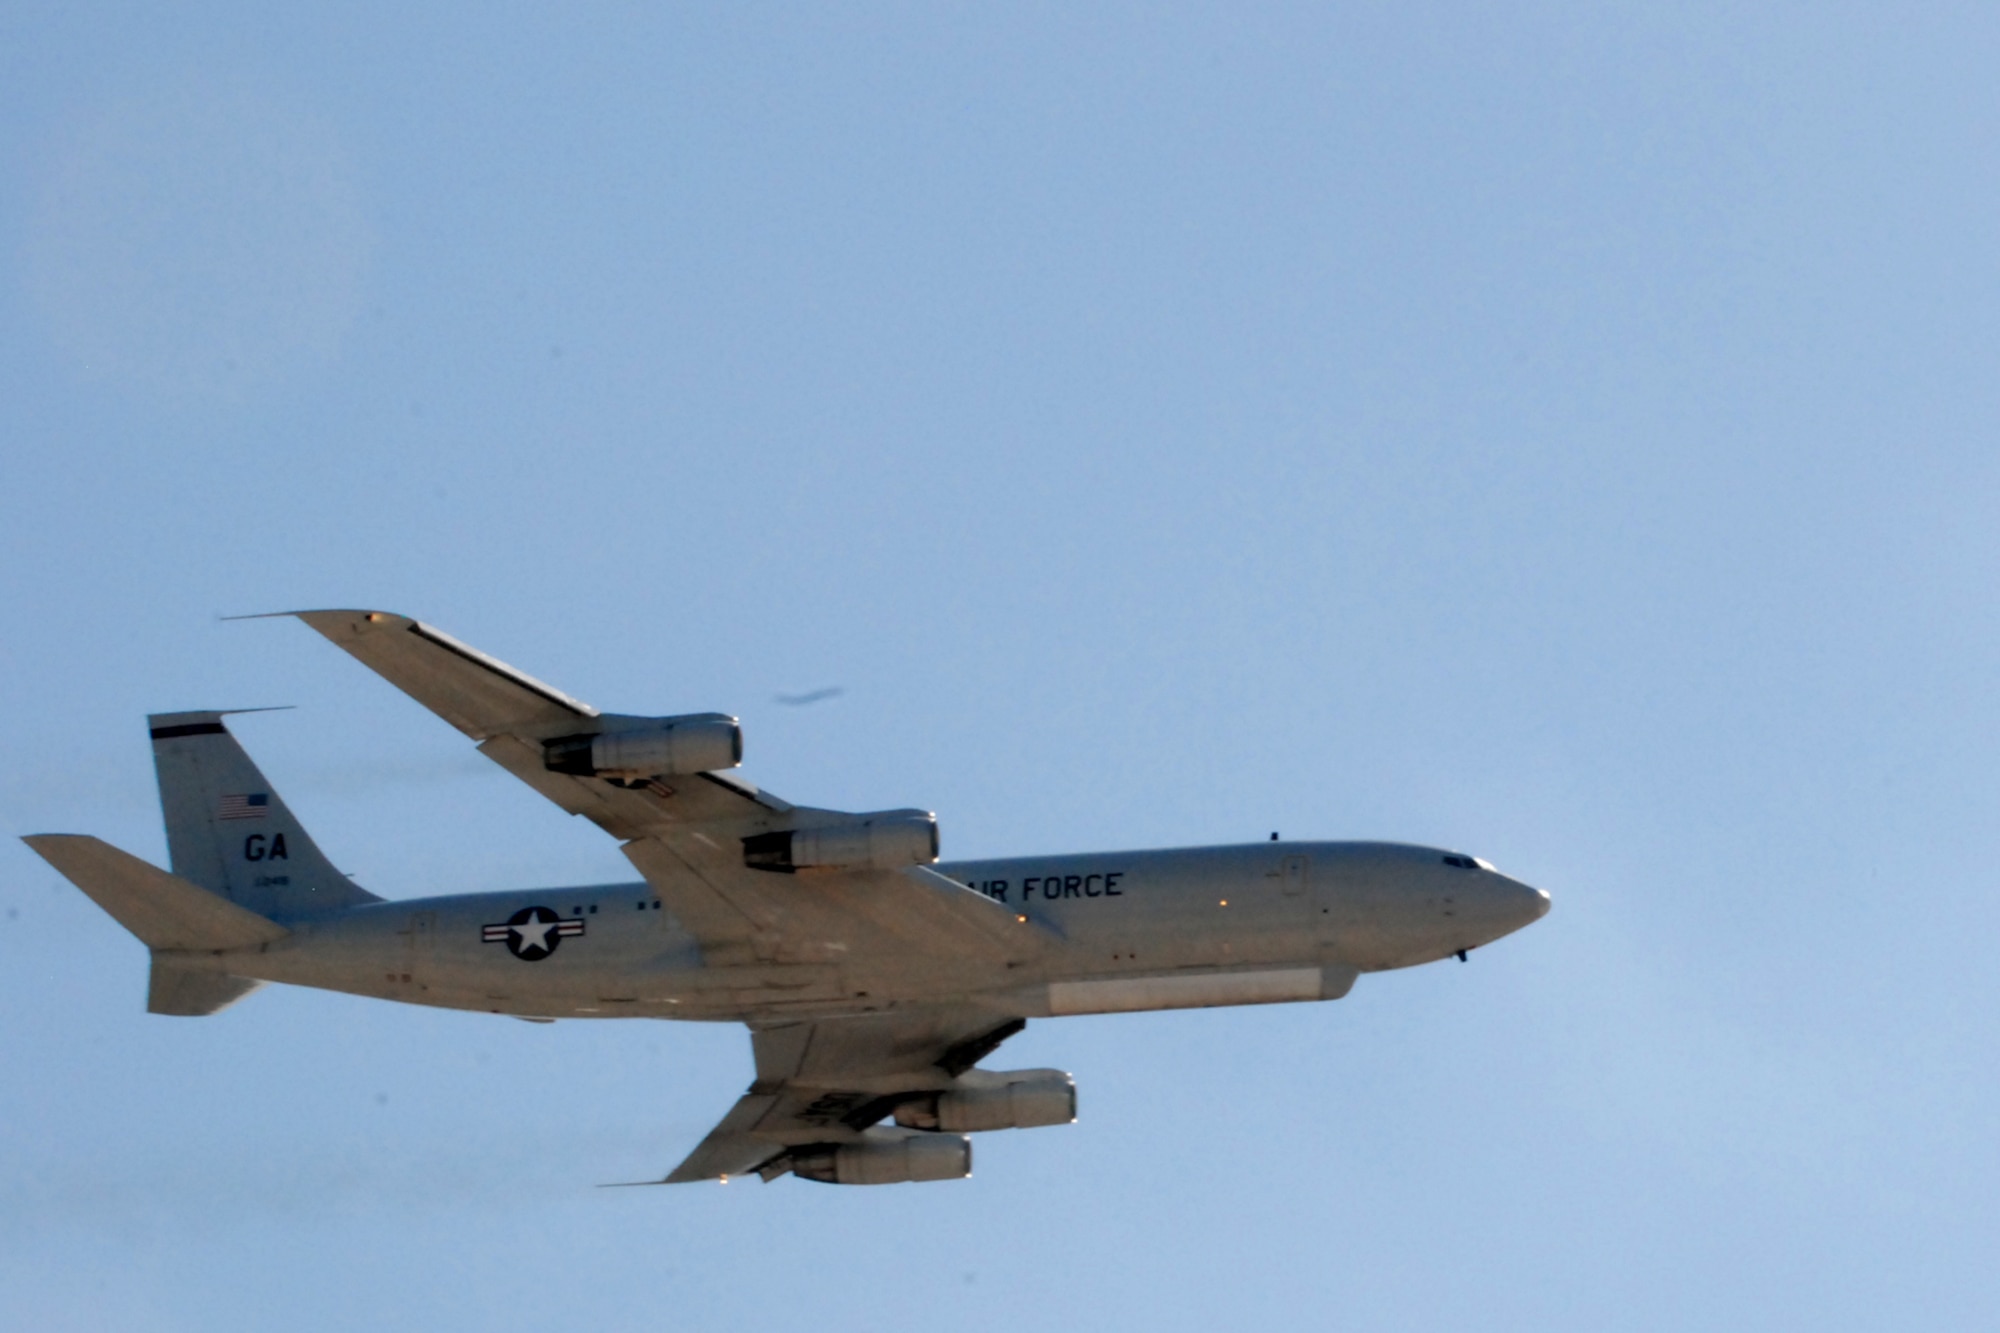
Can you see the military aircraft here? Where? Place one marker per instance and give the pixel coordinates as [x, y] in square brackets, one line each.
[873, 978]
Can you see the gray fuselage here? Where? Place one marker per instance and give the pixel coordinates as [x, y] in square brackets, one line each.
[1181, 928]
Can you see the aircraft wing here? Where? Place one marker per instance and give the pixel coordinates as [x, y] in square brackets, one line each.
[684, 833]
[828, 1081]
[510, 714]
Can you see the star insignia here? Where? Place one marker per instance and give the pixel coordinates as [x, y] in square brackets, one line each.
[532, 933]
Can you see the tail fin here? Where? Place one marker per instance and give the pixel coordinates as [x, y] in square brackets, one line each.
[180, 922]
[228, 832]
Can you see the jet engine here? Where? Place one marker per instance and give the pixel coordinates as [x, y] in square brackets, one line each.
[885, 1157]
[649, 747]
[1019, 1099]
[888, 840]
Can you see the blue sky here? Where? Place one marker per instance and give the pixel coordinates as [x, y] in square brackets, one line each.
[1563, 434]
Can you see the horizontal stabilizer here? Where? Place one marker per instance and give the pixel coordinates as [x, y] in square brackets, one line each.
[163, 910]
[188, 993]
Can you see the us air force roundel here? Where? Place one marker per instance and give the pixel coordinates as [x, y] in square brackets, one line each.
[532, 933]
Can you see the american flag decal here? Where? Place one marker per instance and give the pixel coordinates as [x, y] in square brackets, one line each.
[253, 806]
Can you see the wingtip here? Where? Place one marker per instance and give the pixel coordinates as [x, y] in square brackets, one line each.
[303, 613]
[309, 614]
[355, 619]
[341, 624]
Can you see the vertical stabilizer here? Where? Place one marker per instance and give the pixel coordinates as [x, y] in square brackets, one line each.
[229, 832]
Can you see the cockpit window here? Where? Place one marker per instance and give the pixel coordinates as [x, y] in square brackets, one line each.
[1462, 862]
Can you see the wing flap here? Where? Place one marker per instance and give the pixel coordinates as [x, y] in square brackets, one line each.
[593, 800]
[633, 812]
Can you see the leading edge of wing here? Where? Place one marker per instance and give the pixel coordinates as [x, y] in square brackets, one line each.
[480, 695]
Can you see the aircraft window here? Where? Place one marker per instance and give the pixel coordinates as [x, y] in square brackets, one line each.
[593, 909]
[1462, 862]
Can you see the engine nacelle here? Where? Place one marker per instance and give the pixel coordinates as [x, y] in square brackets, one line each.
[649, 747]
[888, 840]
[885, 1157]
[1019, 1099]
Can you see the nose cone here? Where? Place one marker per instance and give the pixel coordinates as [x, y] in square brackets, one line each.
[1523, 904]
[1504, 905]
